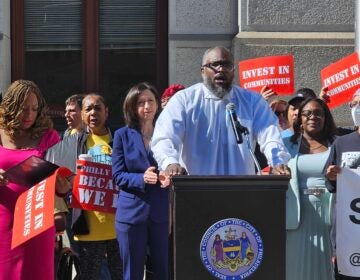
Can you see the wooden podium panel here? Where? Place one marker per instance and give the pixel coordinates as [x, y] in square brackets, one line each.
[198, 202]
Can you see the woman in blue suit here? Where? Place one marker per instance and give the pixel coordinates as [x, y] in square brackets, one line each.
[142, 206]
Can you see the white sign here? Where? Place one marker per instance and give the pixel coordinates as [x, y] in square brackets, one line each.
[348, 222]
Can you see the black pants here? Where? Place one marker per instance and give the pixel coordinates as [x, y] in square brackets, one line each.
[92, 254]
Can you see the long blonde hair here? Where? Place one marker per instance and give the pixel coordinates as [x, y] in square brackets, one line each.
[11, 109]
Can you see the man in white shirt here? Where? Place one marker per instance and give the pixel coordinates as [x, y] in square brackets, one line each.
[193, 134]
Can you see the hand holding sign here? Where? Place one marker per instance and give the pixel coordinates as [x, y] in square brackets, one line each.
[323, 95]
[332, 171]
[62, 186]
[3, 180]
[267, 92]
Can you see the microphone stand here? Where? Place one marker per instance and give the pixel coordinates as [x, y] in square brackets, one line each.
[243, 130]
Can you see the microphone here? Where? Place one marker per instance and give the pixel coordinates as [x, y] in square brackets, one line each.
[237, 127]
[239, 130]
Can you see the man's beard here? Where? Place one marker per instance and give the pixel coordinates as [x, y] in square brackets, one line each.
[219, 91]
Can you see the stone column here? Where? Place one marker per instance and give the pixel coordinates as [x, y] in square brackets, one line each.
[194, 26]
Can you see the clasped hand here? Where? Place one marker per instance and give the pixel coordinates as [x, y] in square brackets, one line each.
[151, 177]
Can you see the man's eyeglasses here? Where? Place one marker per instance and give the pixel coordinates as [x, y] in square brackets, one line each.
[216, 65]
[354, 104]
[317, 114]
[278, 113]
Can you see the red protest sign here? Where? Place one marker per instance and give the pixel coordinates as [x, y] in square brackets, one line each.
[34, 209]
[277, 72]
[93, 188]
[342, 79]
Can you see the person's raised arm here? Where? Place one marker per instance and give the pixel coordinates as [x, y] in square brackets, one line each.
[323, 95]
[267, 92]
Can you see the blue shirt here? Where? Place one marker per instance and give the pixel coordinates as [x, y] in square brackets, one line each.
[286, 133]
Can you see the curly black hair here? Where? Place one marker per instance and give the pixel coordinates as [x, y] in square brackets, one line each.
[11, 109]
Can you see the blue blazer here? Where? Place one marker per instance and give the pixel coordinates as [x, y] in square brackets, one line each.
[138, 202]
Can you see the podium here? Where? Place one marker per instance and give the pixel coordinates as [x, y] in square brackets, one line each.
[227, 227]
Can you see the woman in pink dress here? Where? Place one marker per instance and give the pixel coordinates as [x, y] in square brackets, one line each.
[25, 130]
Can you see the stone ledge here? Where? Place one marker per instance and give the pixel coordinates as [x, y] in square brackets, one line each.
[295, 38]
[297, 35]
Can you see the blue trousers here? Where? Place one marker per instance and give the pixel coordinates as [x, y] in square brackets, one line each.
[133, 242]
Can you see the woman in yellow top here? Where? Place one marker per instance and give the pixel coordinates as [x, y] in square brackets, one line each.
[94, 230]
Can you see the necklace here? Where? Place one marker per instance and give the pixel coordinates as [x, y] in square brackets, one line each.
[311, 148]
[146, 133]
[146, 137]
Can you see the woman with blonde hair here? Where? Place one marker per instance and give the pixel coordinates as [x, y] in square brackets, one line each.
[25, 130]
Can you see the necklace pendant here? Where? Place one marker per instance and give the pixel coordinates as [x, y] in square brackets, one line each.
[146, 137]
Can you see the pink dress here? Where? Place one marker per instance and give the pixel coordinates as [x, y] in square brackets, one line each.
[35, 258]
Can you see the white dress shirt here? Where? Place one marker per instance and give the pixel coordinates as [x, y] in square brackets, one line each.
[195, 131]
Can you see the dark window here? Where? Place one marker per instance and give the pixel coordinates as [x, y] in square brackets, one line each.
[53, 51]
[127, 49]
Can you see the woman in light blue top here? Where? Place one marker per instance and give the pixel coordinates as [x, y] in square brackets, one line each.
[308, 248]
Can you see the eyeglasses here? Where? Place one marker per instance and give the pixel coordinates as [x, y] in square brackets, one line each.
[317, 113]
[216, 65]
[354, 103]
[278, 113]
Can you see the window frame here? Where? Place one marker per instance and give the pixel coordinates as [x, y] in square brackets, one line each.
[91, 45]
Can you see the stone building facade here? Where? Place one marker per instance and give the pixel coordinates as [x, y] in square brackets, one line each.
[316, 32]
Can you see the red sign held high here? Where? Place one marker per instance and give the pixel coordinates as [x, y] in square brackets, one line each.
[342, 79]
[277, 72]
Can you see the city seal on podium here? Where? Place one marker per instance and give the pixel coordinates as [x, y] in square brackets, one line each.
[231, 249]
